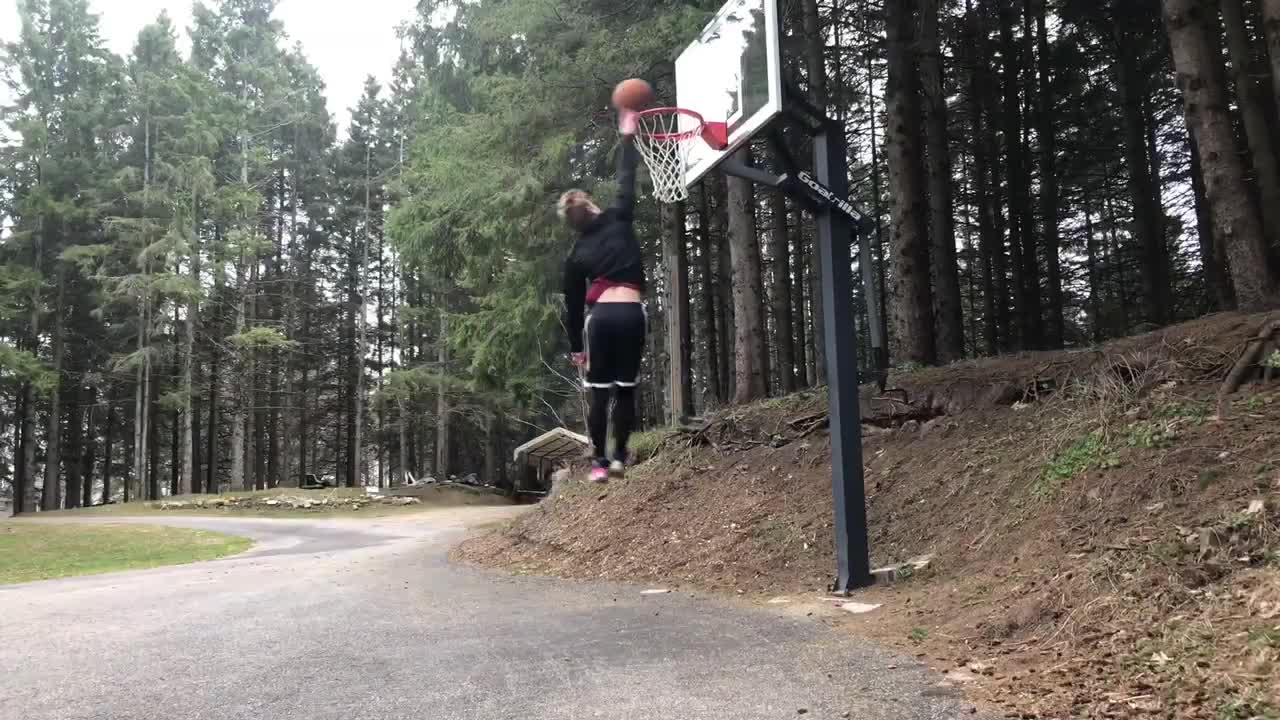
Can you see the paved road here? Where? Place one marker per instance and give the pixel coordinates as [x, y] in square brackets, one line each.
[345, 621]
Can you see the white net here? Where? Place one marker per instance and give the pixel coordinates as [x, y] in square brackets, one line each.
[664, 145]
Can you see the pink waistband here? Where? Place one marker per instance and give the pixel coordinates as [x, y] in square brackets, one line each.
[599, 287]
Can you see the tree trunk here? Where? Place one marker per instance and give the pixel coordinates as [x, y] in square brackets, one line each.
[816, 65]
[1055, 336]
[90, 450]
[403, 419]
[1217, 282]
[1017, 177]
[971, 257]
[304, 382]
[780, 250]
[1116, 261]
[74, 450]
[982, 137]
[1200, 77]
[384, 447]
[1254, 104]
[362, 335]
[764, 357]
[1150, 124]
[259, 420]
[1094, 308]
[259, 361]
[948, 312]
[273, 422]
[800, 333]
[136, 485]
[108, 451]
[279, 320]
[712, 339]
[1271, 28]
[750, 346]
[676, 260]
[1032, 320]
[26, 500]
[153, 445]
[51, 495]
[877, 212]
[724, 297]
[212, 446]
[240, 392]
[197, 485]
[188, 480]
[175, 452]
[142, 403]
[1155, 259]
[492, 449]
[443, 444]
[913, 306]
[22, 439]
[1005, 335]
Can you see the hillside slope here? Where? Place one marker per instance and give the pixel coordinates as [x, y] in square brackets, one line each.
[1104, 542]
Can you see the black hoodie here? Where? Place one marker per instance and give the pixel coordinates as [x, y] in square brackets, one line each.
[606, 250]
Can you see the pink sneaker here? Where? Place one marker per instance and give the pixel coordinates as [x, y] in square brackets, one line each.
[599, 475]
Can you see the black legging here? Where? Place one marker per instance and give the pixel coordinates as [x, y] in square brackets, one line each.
[615, 343]
[624, 419]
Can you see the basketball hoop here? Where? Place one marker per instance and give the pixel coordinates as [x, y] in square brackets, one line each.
[665, 147]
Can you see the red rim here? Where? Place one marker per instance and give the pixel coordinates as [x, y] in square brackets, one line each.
[674, 136]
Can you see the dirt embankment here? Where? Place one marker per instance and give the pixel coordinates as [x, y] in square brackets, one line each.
[1103, 523]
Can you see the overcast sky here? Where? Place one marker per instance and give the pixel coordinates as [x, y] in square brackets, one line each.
[346, 39]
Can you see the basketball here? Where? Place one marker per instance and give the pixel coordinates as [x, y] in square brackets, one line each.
[634, 94]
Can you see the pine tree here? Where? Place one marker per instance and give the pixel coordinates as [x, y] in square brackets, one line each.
[66, 85]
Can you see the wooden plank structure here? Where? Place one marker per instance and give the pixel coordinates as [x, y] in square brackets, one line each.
[551, 450]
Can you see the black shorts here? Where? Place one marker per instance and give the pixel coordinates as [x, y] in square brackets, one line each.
[615, 334]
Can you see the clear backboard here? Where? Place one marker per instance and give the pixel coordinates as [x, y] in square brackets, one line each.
[731, 74]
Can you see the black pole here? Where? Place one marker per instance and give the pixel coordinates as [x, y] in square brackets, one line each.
[831, 168]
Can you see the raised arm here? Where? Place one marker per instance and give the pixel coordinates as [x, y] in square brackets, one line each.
[575, 303]
[628, 159]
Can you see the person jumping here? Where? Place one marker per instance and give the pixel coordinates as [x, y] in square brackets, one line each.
[608, 315]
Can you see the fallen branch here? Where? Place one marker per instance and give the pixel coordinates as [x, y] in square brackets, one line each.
[808, 420]
[1253, 354]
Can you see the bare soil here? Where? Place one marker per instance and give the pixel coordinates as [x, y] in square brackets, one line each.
[1103, 526]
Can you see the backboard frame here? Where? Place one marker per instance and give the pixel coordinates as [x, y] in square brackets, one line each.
[705, 157]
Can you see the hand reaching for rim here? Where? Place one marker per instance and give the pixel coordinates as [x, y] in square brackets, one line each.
[628, 121]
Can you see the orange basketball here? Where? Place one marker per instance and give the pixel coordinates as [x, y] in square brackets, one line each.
[634, 94]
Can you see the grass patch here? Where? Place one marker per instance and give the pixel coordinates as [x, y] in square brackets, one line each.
[44, 551]
[645, 445]
[1207, 478]
[1248, 707]
[1093, 451]
[1268, 637]
[1088, 452]
[1155, 435]
[918, 635]
[1196, 412]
